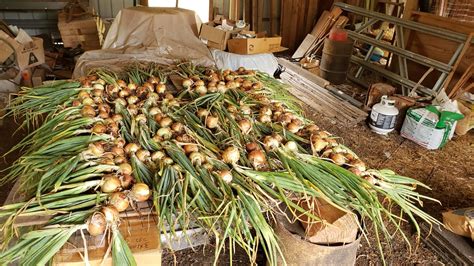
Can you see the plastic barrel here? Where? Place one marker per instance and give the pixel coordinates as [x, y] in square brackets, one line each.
[335, 60]
[297, 251]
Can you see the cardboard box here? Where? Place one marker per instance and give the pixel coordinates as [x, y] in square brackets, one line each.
[255, 45]
[27, 55]
[216, 38]
[141, 235]
[80, 31]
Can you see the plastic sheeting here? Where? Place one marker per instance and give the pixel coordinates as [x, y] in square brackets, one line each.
[263, 62]
[161, 35]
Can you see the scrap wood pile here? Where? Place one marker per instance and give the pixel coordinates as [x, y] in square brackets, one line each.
[222, 151]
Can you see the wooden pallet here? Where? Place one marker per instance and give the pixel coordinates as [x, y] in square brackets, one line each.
[309, 88]
[456, 250]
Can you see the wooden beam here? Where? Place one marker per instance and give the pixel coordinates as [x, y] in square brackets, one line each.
[260, 15]
[254, 15]
[211, 10]
[248, 11]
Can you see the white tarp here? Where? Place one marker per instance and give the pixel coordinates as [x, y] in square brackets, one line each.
[263, 62]
[162, 35]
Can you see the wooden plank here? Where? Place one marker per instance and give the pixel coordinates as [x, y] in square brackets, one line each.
[271, 12]
[254, 14]
[466, 47]
[312, 11]
[248, 11]
[307, 43]
[259, 11]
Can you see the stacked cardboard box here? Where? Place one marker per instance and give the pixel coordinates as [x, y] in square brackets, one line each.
[79, 31]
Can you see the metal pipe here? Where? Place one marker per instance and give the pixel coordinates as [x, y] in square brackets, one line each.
[369, 54]
[392, 76]
[426, 61]
[446, 34]
[439, 83]
[366, 24]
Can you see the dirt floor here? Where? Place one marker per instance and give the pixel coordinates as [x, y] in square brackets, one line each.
[449, 172]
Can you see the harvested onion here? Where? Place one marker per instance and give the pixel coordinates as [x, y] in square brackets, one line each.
[110, 183]
[231, 155]
[140, 192]
[119, 200]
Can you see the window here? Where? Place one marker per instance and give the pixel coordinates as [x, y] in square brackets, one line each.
[201, 7]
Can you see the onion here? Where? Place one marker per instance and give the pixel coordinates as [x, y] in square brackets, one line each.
[99, 128]
[164, 133]
[357, 163]
[132, 109]
[125, 169]
[96, 224]
[119, 142]
[154, 111]
[166, 122]
[107, 161]
[312, 128]
[208, 166]
[292, 146]
[125, 92]
[104, 115]
[257, 85]
[98, 92]
[338, 158]
[284, 119]
[141, 119]
[121, 83]
[111, 214]
[120, 159]
[132, 86]
[257, 159]
[153, 80]
[189, 148]
[245, 109]
[167, 160]
[270, 143]
[88, 101]
[231, 155]
[131, 148]
[202, 112]
[157, 155]
[132, 99]
[149, 86]
[119, 200]
[318, 143]
[160, 88]
[88, 111]
[323, 134]
[76, 103]
[245, 126]
[98, 100]
[140, 192]
[265, 110]
[232, 108]
[143, 155]
[98, 86]
[110, 183]
[201, 89]
[211, 89]
[177, 127]
[185, 138]
[96, 148]
[199, 82]
[247, 84]
[221, 87]
[120, 101]
[225, 175]
[196, 158]
[126, 181]
[293, 127]
[187, 83]
[264, 118]
[83, 94]
[251, 146]
[355, 170]
[212, 122]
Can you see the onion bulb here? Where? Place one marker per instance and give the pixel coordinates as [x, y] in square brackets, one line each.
[166, 122]
[270, 143]
[120, 159]
[251, 146]
[338, 158]
[245, 109]
[164, 133]
[125, 168]
[225, 175]
[83, 94]
[143, 155]
[167, 160]
[189, 148]
[200, 89]
[154, 110]
[111, 214]
[96, 149]
[291, 145]
[131, 148]
[245, 126]
[212, 121]
[160, 88]
[96, 224]
[262, 118]
[357, 163]
[231, 155]
[265, 110]
[221, 88]
[318, 143]
[88, 101]
[201, 112]
[355, 170]
[141, 119]
[140, 192]
[87, 111]
[157, 155]
[132, 99]
[126, 181]
[196, 158]
[119, 200]
[257, 159]
[110, 183]
[187, 83]
[99, 128]
[117, 151]
[177, 127]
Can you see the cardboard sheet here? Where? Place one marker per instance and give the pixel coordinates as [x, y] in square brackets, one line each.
[161, 35]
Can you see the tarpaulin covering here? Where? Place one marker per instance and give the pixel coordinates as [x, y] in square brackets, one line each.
[161, 35]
